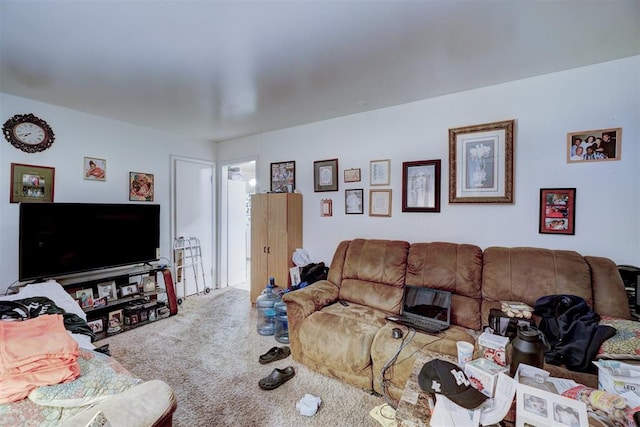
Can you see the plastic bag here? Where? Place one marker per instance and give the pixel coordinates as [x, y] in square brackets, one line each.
[301, 257]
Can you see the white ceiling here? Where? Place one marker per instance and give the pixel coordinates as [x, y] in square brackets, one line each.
[223, 69]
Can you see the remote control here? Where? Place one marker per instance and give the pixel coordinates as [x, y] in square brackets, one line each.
[344, 303]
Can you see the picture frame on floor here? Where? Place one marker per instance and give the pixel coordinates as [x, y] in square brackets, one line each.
[481, 163]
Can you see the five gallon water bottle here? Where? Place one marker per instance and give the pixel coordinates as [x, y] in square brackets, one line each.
[266, 311]
[282, 324]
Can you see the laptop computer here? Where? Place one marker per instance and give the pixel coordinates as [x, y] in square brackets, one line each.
[425, 309]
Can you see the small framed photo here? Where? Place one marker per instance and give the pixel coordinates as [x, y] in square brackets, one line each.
[537, 407]
[85, 297]
[294, 273]
[379, 172]
[352, 175]
[481, 163]
[96, 326]
[141, 187]
[127, 290]
[283, 177]
[100, 302]
[144, 315]
[354, 201]
[31, 183]
[421, 186]
[115, 322]
[326, 207]
[95, 169]
[557, 211]
[149, 284]
[594, 145]
[108, 290]
[379, 202]
[325, 175]
[152, 314]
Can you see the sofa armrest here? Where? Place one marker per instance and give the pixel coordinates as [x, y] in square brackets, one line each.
[302, 303]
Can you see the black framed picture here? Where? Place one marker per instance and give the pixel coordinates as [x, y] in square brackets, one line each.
[354, 201]
[325, 175]
[421, 186]
[283, 177]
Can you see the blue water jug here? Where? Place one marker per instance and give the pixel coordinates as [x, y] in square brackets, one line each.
[282, 324]
[266, 311]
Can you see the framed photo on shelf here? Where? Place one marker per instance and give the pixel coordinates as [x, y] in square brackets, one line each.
[352, 175]
[100, 302]
[354, 201]
[326, 207]
[149, 284]
[325, 175]
[115, 322]
[379, 172]
[481, 163]
[85, 297]
[379, 202]
[96, 326]
[108, 290]
[421, 186]
[283, 177]
[594, 145]
[557, 211]
[31, 183]
[141, 187]
[128, 290]
[95, 169]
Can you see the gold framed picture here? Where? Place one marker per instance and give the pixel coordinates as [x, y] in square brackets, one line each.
[379, 202]
[31, 183]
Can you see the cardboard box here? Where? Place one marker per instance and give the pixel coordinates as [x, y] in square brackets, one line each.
[618, 377]
[493, 347]
[483, 374]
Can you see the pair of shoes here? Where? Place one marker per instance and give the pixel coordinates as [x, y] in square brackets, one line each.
[276, 378]
[276, 353]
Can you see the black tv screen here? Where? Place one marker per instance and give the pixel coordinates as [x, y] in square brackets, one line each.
[58, 239]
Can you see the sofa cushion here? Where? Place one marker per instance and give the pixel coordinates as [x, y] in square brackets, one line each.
[456, 268]
[373, 273]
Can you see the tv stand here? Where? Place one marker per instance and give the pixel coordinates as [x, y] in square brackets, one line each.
[118, 301]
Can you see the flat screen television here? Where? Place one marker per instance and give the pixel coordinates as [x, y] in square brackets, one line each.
[59, 239]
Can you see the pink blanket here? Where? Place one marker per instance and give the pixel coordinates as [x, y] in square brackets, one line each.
[33, 353]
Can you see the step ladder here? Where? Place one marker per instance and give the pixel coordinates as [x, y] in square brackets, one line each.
[188, 254]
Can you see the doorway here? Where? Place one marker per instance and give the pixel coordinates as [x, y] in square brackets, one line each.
[193, 215]
[238, 183]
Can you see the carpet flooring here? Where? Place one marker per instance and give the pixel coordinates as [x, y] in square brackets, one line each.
[208, 353]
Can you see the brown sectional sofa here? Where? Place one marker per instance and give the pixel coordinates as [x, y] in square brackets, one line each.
[353, 343]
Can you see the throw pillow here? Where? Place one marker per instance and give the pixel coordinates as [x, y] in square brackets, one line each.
[100, 377]
[625, 344]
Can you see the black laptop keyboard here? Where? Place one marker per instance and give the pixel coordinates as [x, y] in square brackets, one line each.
[420, 324]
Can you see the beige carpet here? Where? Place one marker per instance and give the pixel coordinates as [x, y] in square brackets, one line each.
[208, 353]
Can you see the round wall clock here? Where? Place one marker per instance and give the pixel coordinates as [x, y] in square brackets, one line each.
[28, 133]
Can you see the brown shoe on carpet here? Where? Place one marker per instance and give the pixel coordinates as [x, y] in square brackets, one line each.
[277, 378]
[275, 353]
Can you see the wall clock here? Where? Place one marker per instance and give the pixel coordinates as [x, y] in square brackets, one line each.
[28, 133]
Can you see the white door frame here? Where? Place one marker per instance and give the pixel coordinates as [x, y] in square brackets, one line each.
[173, 213]
[222, 200]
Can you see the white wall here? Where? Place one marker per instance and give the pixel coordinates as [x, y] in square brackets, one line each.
[126, 148]
[546, 108]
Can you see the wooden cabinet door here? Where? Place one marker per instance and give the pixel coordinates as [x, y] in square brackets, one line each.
[259, 243]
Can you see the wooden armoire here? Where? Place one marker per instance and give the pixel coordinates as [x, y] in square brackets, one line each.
[276, 232]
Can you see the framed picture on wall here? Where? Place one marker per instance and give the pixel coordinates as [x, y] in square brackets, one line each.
[326, 207]
[95, 169]
[283, 177]
[141, 187]
[354, 201]
[379, 202]
[481, 163]
[594, 145]
[557, 211]
[379, 172]
[421, 186]
[352, 175]
[325, 175]
[31, 183]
